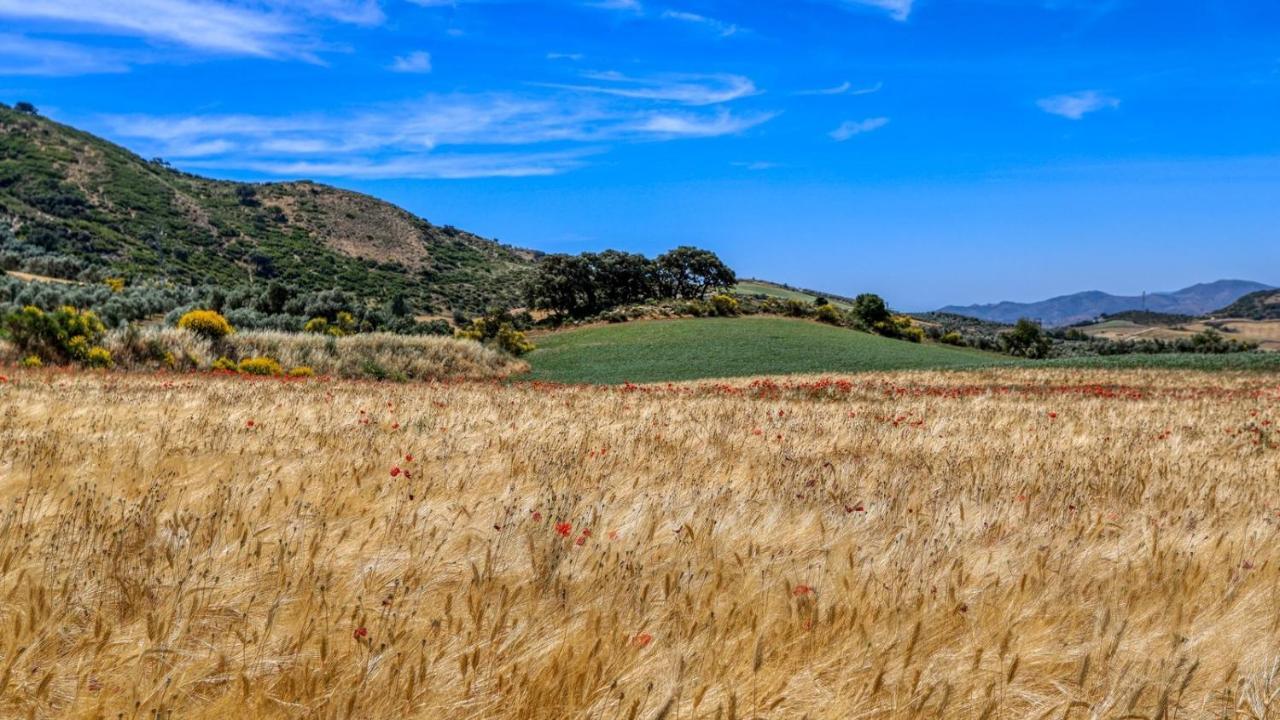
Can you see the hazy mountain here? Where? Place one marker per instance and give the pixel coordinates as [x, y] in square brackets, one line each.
[1067, 309]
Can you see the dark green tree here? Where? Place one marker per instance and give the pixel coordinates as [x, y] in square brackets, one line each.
[1026, 339]
[870, 309]
[690, 272]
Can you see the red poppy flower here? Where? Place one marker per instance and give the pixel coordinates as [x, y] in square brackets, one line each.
[360, 633]
[248, 423]
[1053, 416]
[582, 540]
[537, 516]
[643, 640]
[408, 458]
[563, 529]
[395, 472]
[801, 590]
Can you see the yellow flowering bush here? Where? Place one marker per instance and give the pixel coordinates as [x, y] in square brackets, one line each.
[206, 323]
[260, 366]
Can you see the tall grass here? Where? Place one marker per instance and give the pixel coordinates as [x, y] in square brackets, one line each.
[372, 355]
[1002, 544]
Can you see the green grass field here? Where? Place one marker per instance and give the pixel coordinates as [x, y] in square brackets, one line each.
[674, 350]
[750, 287]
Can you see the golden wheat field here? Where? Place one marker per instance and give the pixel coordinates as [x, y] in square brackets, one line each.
[1000, 544]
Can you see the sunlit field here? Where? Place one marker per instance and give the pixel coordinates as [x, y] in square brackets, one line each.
[997, 544]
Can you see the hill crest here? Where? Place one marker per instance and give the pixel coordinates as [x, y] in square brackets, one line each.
[95, 209]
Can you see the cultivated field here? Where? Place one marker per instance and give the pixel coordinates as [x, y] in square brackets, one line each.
[998, 544]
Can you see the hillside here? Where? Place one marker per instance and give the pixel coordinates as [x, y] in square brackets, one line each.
[1079, 307]
[75, 205]
[674, 350]
[1262, 305]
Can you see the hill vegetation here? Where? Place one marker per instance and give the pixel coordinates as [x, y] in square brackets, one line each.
[75, 206]
[1262, 305]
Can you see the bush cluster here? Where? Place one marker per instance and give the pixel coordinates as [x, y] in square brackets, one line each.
[64, 335]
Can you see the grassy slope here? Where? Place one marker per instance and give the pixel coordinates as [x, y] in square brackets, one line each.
[81, 196]
[674, 350]
[753, 287]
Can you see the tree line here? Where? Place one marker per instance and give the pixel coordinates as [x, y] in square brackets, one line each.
[583, 285]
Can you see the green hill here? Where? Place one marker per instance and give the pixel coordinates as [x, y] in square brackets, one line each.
[764, 288]
[73, 205]
[1262, 305]
[674, 350]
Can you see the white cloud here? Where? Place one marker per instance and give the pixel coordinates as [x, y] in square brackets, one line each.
[441, 167]
[414, 62]
[455, 135]
[633, 6]
[899, 10]
[271, 28]
[684, 89]
[20, 55]
[676, 125]
[575, 57]
[1075, 106]
[845, 88]
[852, 128]
[721, 28]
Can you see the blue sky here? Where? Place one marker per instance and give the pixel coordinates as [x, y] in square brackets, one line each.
[934, 151]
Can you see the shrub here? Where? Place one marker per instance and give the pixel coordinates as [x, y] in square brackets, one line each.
[32, 361]
[951, 338]
[724, 304]
[497, 329]
[318, 325]
[797, 308]
[206, 323]
[225, 363]
[513, 342]
[912, 334]
[64, 334]
[830, 315]
[301, 371]
[260, 366]
[98, 357]
[116, 284]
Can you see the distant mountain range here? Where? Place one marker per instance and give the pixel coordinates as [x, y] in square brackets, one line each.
[1068, 309]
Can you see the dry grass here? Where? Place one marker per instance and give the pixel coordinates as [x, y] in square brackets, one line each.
[363, 356]
[1005, 544]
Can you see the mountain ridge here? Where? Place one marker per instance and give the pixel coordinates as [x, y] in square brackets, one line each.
[1197, 299]
[90, 208]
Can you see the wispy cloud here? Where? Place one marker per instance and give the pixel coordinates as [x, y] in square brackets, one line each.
[456, 166]
[684, 89]
[1076, 105]
[414, 62]
[631, 6]
[721, 28]
[21, 55]
[272, 28]
[899, 10]
[845, 88]
[854, 128]
[457, 135]
[574, 57]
